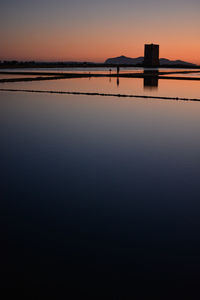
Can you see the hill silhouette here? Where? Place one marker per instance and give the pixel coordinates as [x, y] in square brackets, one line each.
[139, 60]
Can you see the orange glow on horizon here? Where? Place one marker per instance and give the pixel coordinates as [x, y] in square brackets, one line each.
[99, 43]
[99, 52]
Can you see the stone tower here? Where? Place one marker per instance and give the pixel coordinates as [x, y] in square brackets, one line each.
[151, 55]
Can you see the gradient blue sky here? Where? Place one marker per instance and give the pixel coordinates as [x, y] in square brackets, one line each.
[95, 30]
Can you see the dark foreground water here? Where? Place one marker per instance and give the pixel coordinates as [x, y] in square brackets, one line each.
[98, 194]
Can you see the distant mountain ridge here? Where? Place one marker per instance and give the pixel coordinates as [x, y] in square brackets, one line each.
[139, 60]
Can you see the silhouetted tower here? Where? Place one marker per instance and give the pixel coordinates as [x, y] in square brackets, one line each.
[151, 55]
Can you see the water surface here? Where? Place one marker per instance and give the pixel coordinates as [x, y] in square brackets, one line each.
[99, 193]
[136, 86]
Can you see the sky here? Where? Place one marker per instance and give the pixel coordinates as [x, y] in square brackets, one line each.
[94, 30]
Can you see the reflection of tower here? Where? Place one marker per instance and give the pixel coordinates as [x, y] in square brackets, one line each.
[150, 80]
[151, 55]
[117, 81]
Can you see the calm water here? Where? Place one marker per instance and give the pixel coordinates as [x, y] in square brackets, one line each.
[136, 86]
[99, 193]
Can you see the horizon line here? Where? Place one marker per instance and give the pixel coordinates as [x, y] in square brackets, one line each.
[79, 60]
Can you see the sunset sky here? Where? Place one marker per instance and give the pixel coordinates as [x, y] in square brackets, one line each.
[93, 30]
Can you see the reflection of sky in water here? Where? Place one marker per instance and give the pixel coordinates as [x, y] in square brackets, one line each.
[96, 185]
[11, 76]
[171, 88]
[184, 75]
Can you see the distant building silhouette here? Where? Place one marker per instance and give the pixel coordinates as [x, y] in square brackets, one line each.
[151, 55]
